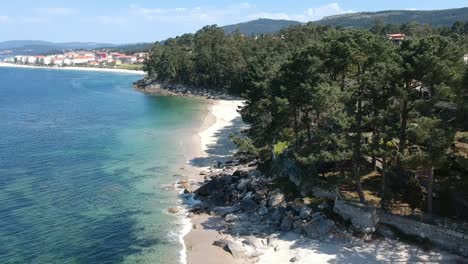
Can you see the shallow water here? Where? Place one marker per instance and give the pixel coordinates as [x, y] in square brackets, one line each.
[83, 158]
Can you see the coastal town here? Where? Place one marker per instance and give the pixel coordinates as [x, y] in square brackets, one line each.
[83, 58]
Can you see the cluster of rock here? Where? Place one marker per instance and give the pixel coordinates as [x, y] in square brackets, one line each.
[150, 86]
[250, 205]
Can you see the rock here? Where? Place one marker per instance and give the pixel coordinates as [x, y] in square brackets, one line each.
[319, 229]
[272, 241]
[294, 259]
[242, 185]
[323, 206]
[173, 210]
[215, 185]
[186, 191]
[224, 210]
[275, 214]
[316, 216]
[262, 210]
[248, 205]
[305, 212]
[298, 226]
[196, 226]
[183, 181]
[385, 231]
[286, 223]
[276, 198]
[297, 204]
[236, 250]
[217, 164]
[203, 173]
[231, 218]
[253, 241]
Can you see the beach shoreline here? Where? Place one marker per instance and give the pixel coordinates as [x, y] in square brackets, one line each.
[197, 241]
[90, 69]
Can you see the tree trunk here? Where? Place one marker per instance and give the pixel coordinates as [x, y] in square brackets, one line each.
[430, 183]
[360, 192]
[402, 137]
[357, 153]
[384, 183]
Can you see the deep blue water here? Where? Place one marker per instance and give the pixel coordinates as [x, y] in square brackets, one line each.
[83, 158]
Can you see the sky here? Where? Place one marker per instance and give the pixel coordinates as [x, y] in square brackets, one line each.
[132, 21]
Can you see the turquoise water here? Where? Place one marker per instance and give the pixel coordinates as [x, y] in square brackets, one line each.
[83, 158]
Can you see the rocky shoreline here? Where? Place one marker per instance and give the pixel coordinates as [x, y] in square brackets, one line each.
[253, 216]
[152, 87]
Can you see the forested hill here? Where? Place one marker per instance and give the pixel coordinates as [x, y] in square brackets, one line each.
[366, 19]
[260, 26]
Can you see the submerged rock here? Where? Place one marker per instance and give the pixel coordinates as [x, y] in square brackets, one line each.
[173, 210]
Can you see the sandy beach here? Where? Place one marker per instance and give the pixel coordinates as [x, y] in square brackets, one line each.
[11, 65]
[197, 239]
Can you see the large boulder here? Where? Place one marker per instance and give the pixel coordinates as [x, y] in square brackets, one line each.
[276, 198]
[215, 185]
[248, 205]
[224, 210]
[232, 247]
[286, 223]
[297, 204]
[305, 212]
[262, 210]
[320, 229]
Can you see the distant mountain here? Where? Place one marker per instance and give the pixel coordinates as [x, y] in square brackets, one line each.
[34, 47]
[260, 26]
[366, 19]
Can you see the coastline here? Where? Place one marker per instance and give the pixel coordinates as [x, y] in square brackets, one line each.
[93, 69]
[197, 241]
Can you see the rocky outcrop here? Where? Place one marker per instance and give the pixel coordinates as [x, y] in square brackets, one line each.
[151, 86]
[249, 205]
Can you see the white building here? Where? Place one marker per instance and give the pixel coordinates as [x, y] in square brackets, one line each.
[19, 59]
[465, 58]
[67, 61]
[31, 60]
[45, 60]
[9, 60]
[57, 61]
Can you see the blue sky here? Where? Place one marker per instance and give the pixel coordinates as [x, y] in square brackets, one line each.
[129, 21]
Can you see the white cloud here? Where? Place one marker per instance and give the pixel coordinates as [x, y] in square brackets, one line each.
[326, 10]
[310, 14]
[228, 14]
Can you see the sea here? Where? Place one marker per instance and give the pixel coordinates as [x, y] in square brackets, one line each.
[84, 162]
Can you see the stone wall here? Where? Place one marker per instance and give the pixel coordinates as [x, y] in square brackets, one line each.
[439, 236]
[362, 217]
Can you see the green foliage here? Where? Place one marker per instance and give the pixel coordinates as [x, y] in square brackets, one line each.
[245, 147]
[279, 147]
[333, 98]
[366, 19]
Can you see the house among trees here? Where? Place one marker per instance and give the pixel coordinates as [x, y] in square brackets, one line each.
[396, 38]
[465, 58]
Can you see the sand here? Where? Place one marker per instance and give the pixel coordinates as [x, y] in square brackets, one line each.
[11, 65]
[198, 241]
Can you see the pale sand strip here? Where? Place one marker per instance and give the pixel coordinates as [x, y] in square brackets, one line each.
[198, 242]
[225, 111]
[11, 65]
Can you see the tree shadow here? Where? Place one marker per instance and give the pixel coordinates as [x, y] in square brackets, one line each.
[222, 149]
